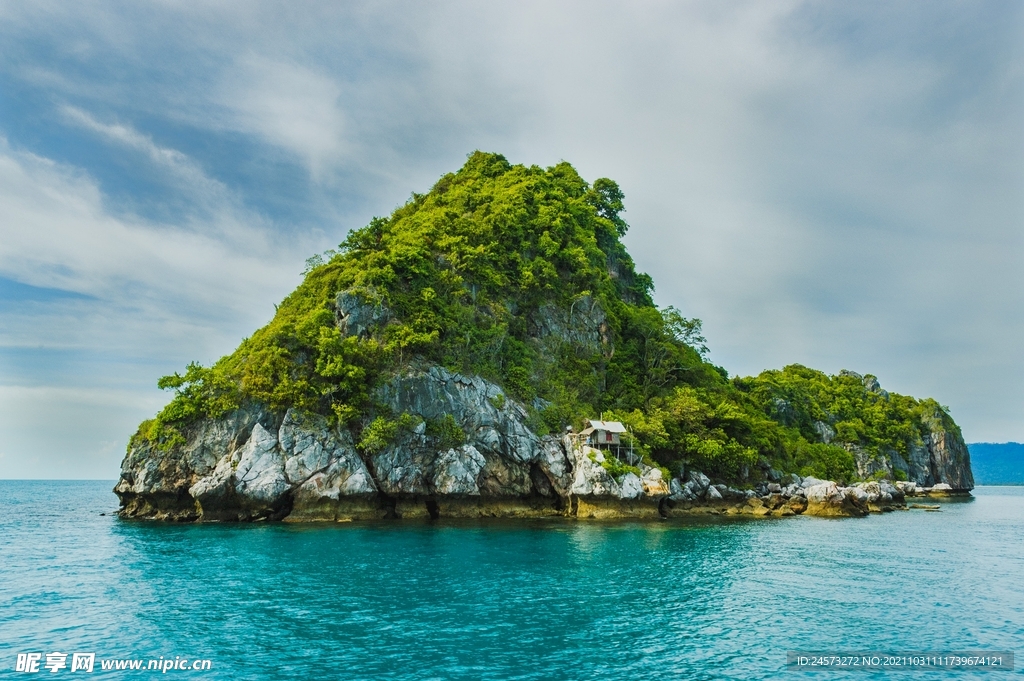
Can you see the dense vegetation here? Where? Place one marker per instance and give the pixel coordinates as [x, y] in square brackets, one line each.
[460, 277]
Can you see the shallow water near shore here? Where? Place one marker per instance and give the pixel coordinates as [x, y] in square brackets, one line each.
[686, 598]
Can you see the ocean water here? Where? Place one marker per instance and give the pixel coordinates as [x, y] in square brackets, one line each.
[711, 599]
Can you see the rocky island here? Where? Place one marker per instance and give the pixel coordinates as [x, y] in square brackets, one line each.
[444, 362]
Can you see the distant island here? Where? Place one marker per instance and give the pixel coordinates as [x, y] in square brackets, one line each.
[489, 349]
[997, 463]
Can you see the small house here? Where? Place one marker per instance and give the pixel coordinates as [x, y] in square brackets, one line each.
[603, 433]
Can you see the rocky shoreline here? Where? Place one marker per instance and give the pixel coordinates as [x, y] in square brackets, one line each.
[807, 496]
[253, 464]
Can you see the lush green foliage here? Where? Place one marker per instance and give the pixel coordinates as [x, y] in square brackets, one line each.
[616, 468]
[466, 275]
[860, 414]
[382, 431]
[447, 432]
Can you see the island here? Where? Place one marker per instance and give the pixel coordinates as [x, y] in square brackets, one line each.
[490, 350]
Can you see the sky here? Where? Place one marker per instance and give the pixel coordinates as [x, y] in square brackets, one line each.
[839, 185]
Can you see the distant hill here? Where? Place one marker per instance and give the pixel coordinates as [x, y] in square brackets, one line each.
[997, 463]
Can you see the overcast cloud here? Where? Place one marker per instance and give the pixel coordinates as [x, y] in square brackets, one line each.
[835, 184]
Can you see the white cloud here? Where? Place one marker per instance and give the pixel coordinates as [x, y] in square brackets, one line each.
[182, 168]
[58, 233]
[155, 289]
[290, 106]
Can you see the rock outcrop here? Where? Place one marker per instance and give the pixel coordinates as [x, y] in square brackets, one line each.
[251, 465]
[940, 456]
[255, 465]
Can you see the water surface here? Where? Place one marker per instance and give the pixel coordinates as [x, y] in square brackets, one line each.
[713, 599]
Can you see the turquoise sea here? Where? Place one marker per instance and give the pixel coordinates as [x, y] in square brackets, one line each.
[711, 599]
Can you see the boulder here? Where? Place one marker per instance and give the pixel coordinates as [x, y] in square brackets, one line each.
[675, 487]
[589, 477]
[630, 487]
[698, 482]
[810, 481]
[654, 483]
[733, 494]
[907, 488]
[827, 499]
[941, 489]
[798, 504]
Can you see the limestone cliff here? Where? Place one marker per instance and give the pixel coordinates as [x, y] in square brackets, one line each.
[938, 456]
[253, 465]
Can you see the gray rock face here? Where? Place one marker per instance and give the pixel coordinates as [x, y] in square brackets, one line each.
[782, 411]
[675, 487]
[871, 383]
[155, 481]
[630, 487]
[826, 432]
[359, 312]
[583, 325]
[951, 462]
[590, 479]
[869, 464]
[254, 464]
[940, 457]
[457, 471]
[698, 482]
[304, 462]
[250, 465]
[248, 483]
[502, 455]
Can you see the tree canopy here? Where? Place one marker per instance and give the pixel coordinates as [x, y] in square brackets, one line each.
[460, 277]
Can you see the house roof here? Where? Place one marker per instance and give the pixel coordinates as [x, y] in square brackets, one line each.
[609, 426]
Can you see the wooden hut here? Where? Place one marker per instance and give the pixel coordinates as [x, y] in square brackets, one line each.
[603, 433]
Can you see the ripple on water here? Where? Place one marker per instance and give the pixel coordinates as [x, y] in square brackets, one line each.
[505, 600]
